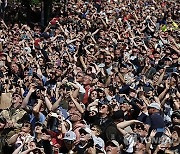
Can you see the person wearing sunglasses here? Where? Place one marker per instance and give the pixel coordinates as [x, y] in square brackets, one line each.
[17, 139]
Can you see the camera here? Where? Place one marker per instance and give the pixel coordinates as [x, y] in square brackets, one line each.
[37, 151]
[90, 143]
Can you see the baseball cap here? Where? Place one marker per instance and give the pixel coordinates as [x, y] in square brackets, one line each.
[154, 105]
[47, 132]
[99, 149]
[167, 59]
[69, 124]
[98, 141]
[114, 142]
[174, 74]
[85, 130]
[70, 135]
[3, 120]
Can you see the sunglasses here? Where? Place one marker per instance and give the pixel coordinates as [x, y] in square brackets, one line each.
[111, 144]
[16, 96]
[108, 58]
[103, 107]
[26, 125]
[79, 75]
[93, 129]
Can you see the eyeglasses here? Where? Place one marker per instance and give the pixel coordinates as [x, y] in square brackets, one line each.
[17, 95]
[93, 129]
[108, 58]
[103, 107]
[79, 75]
[83, 132]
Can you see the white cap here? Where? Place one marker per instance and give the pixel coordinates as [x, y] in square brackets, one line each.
[155, 105]
[70, 135]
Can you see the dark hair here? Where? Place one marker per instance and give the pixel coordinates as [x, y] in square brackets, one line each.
[110, 109]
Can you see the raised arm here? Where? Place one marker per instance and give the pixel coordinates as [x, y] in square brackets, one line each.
[56, 104]
[26, 99]
[78, 106]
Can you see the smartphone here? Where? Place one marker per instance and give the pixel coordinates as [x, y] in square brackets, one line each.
[160, 130]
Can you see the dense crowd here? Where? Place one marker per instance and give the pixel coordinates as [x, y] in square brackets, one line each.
[102, 77]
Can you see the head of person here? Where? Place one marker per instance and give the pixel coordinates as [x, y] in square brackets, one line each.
[87, 80]
[75, 115]
[175, 135]
[32, 145]
[156, 55]
[118, 116]
[123, 69]
[16, 98]
[141, 130]
[85, 134]
[93, 95]
[108, 60]
[174, 78]
[105, 110]
[174, 57]
[96, 130]
[167, 61]
[26, 127]
[132, 93]
[67, 124]
[79, 77]
[100, 93]
[176, 117]
[14, 68]
[117, 53]
[69, 139]
[38, 128]
[140, 147]
[125, 106]
[112, 147]
[156, 77]
[154, 108]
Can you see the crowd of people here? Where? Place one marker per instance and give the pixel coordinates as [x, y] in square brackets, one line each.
[101, 78]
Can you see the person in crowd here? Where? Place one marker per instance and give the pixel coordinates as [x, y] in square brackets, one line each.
[99, 77]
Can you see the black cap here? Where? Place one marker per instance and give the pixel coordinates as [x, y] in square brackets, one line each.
[47, 132]
[38, 124]
[100, 90]
[3, 120]
[123, 65]
[176, 114]
[174, 74]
